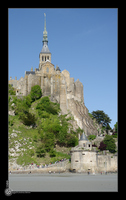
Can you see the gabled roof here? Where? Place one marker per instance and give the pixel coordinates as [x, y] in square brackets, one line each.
[83, 137]
[47, 61]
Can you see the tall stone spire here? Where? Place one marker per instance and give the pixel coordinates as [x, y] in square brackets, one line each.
[45, 39]
[45, 53]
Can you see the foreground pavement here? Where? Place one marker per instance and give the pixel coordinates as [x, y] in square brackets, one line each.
[62, 182]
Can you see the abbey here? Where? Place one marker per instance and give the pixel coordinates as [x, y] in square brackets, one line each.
[58, 85]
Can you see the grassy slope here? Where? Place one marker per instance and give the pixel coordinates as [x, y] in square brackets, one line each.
[27, 139]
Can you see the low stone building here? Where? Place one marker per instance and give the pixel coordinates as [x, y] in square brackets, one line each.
[58, 85]
[84, 158]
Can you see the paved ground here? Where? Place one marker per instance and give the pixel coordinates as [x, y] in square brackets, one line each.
[63, 182]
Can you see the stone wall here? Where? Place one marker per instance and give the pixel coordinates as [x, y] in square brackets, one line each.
[32, 80]
[88, 160]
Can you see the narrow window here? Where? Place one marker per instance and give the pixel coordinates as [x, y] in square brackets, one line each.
[89, 145]
[83, 144]
[45, 58]
[47, 69]
[42, 58]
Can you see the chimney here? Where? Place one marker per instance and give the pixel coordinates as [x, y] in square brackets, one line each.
[15, 77]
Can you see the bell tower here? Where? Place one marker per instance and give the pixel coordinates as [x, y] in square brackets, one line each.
[45, 53]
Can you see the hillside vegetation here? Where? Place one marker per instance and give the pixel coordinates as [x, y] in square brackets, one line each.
[38, 132]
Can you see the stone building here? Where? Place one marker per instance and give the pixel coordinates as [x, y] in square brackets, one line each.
[84, 158]
[58, 85]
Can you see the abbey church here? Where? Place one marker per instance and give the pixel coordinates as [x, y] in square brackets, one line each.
[59, 86]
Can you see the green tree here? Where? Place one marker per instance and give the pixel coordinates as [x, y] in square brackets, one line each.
[35, 93]
[102, 118]
[49, 141]
[110, 143]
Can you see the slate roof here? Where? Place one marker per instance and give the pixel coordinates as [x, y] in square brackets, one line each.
[45, 48]
[29, 72]
[83, 137]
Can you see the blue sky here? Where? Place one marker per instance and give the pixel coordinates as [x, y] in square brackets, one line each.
[82, 41]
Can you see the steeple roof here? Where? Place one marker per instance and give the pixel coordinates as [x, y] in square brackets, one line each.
[45, 48]
[45, 39]
[83, 137]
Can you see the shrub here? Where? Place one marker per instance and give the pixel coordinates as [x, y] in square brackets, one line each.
[40, 150]
[72, 140]
[114, 135]
[46, 105]
[110, 143]
[28, 100]
[91, 137]
[28, 118]
[11, 90]
[52, 153]
[102, 146]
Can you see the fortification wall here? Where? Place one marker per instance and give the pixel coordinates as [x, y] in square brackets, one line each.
[88, 160]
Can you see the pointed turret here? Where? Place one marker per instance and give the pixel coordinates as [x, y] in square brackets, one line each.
[83, 137]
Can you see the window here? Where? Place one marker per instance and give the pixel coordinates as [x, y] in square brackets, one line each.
[89, 145]
[42, 58]
[47, 69]
[45, 58]
[76, 161]
[83, 144]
